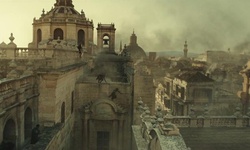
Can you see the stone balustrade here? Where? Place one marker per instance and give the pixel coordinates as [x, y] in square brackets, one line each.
[211, 121]
[69, 20]
[53, 57]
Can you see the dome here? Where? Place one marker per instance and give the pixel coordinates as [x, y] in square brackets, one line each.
[136, 52]
[63, 12]
[133, 49]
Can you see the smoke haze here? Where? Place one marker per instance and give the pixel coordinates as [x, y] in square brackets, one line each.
[160, 25]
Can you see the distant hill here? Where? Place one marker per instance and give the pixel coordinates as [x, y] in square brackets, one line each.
[175, 54]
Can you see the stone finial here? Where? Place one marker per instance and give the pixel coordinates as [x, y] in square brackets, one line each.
[146, 116]
[248, 112]
[158, 112]
[192, 113]
[140, 103]
[11, 44]
[13, 73]
[3, 45]
[82, 13]
[12, 64]
[11, 38]
[43, 12]
[237, 112]
[29, 70]
[153, 121]
[168, 117]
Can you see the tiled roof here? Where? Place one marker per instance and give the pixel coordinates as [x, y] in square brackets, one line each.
[216, 138]
[194, 76]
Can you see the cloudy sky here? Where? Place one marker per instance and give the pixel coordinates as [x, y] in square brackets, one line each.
[160, 25]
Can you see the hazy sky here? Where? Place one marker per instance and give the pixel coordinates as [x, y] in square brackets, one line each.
[159, 24]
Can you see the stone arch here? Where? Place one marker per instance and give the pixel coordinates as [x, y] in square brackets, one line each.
[81, 37]
[104, 110]
[27, 123]
[63, 112]
[9, 133]
[58, 32]
[39, 35]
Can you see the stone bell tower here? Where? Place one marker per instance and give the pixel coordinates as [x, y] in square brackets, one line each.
[63, 23]
[106, 37]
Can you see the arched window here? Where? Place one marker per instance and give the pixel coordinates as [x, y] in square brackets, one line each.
[27, 123]
[39, 36]
[63, 112]
[9, 133]
[81, 37]
[105, 41]
[58, 33]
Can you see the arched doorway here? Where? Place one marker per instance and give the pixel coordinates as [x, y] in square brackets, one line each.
[27, 123]
[9, 134]
[63, 112]
[39, 36]
[58, 33]
[81, 37]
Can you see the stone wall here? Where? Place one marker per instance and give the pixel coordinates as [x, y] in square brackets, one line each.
[18, 109]
[144, 88]
[57, 104]
[91, 94]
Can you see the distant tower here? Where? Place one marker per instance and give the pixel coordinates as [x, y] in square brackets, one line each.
[106, 37]
[133, 39]
[120, 46]
[185, 49]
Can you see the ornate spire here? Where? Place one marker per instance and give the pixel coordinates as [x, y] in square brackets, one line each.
[64, 3]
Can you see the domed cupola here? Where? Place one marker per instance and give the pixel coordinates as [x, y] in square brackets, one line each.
[65, 9]
[65, 23]
[134, 50]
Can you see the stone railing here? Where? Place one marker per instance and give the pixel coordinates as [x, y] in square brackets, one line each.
[53, 57]
[71, 20]
[211, 121]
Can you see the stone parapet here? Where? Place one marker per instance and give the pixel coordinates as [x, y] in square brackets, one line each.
[212, 121]
[53, 58]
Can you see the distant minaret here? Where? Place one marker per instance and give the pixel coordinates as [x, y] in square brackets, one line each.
[120, 46]
[185, 49]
